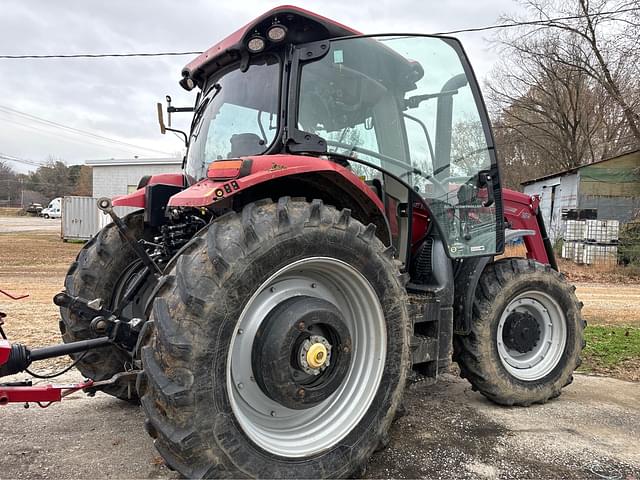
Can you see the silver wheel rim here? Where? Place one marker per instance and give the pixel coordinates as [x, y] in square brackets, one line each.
[301, 433]
[546, 354]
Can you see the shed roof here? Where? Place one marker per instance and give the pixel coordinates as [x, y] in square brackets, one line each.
[575, 169]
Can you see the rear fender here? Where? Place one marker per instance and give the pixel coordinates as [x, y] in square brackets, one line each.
[137, 198]
[275, 176]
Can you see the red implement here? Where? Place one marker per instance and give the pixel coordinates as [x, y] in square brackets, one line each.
[43, 395]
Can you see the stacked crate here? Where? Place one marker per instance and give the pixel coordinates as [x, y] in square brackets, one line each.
[573, 247]
[592, 242]
[601, 242]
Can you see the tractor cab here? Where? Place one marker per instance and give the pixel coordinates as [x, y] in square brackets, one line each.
[402, 112]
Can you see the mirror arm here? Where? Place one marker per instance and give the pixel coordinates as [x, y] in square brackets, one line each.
[179, 109]
[186, 138]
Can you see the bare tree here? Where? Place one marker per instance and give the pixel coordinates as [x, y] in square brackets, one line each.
[558, 103]
[599, 38]
[10, 186]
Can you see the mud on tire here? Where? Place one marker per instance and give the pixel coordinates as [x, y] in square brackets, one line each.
[95, 274]
[479, 354]
[184, 387]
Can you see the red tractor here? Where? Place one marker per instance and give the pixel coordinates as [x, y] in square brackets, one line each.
[334, 235]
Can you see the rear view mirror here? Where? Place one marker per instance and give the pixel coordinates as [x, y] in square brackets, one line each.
[170, 109]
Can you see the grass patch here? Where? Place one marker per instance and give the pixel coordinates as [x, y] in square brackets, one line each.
[612, 350]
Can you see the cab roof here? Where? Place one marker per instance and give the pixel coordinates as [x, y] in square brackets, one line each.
[302, 26]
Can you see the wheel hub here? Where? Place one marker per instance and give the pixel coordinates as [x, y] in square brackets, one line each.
[521, 332]
[314, 355]
[301, 352]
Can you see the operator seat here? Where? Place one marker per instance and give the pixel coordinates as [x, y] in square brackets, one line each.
[245, 144]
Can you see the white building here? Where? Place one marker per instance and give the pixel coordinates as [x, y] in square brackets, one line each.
[113, 177]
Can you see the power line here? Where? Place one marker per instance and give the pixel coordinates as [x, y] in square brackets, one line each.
[29, 183]
[63, 135]
[103, 55]
[546, 22]
[77, 131]
[20, 160]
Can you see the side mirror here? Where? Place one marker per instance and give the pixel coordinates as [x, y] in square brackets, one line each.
[163, 129]
[170, 109]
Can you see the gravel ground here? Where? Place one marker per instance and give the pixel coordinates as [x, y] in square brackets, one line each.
[29, 224]
[591, 431]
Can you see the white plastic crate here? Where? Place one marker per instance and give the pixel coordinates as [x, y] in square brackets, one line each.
[574, 230]
[595, 230]
[602, 231]
[613, 230]
[568, 250]
[578, 252]
[606, 255]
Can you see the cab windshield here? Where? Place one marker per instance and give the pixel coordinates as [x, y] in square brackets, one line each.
[405, 104]
[236, 117]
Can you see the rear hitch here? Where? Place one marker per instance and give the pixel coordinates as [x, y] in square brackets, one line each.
[111, 330]
[120, 330]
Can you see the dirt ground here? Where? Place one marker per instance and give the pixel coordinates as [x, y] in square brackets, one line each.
[606, 304]
[33, 263]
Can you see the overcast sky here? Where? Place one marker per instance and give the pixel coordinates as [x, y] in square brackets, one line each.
[116, 97]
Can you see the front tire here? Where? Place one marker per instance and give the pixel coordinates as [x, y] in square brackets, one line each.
[227, 387]
[526, 334]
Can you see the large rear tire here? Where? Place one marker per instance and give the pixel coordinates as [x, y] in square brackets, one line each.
[102, 269]
[229, 387]
[526, 334]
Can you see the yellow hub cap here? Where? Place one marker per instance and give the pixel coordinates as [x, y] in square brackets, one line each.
[317, 355]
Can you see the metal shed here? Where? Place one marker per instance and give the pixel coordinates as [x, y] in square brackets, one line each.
[604, 190]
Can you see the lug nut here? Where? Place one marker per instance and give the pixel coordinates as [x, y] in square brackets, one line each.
[301, 392]
[301, 326]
